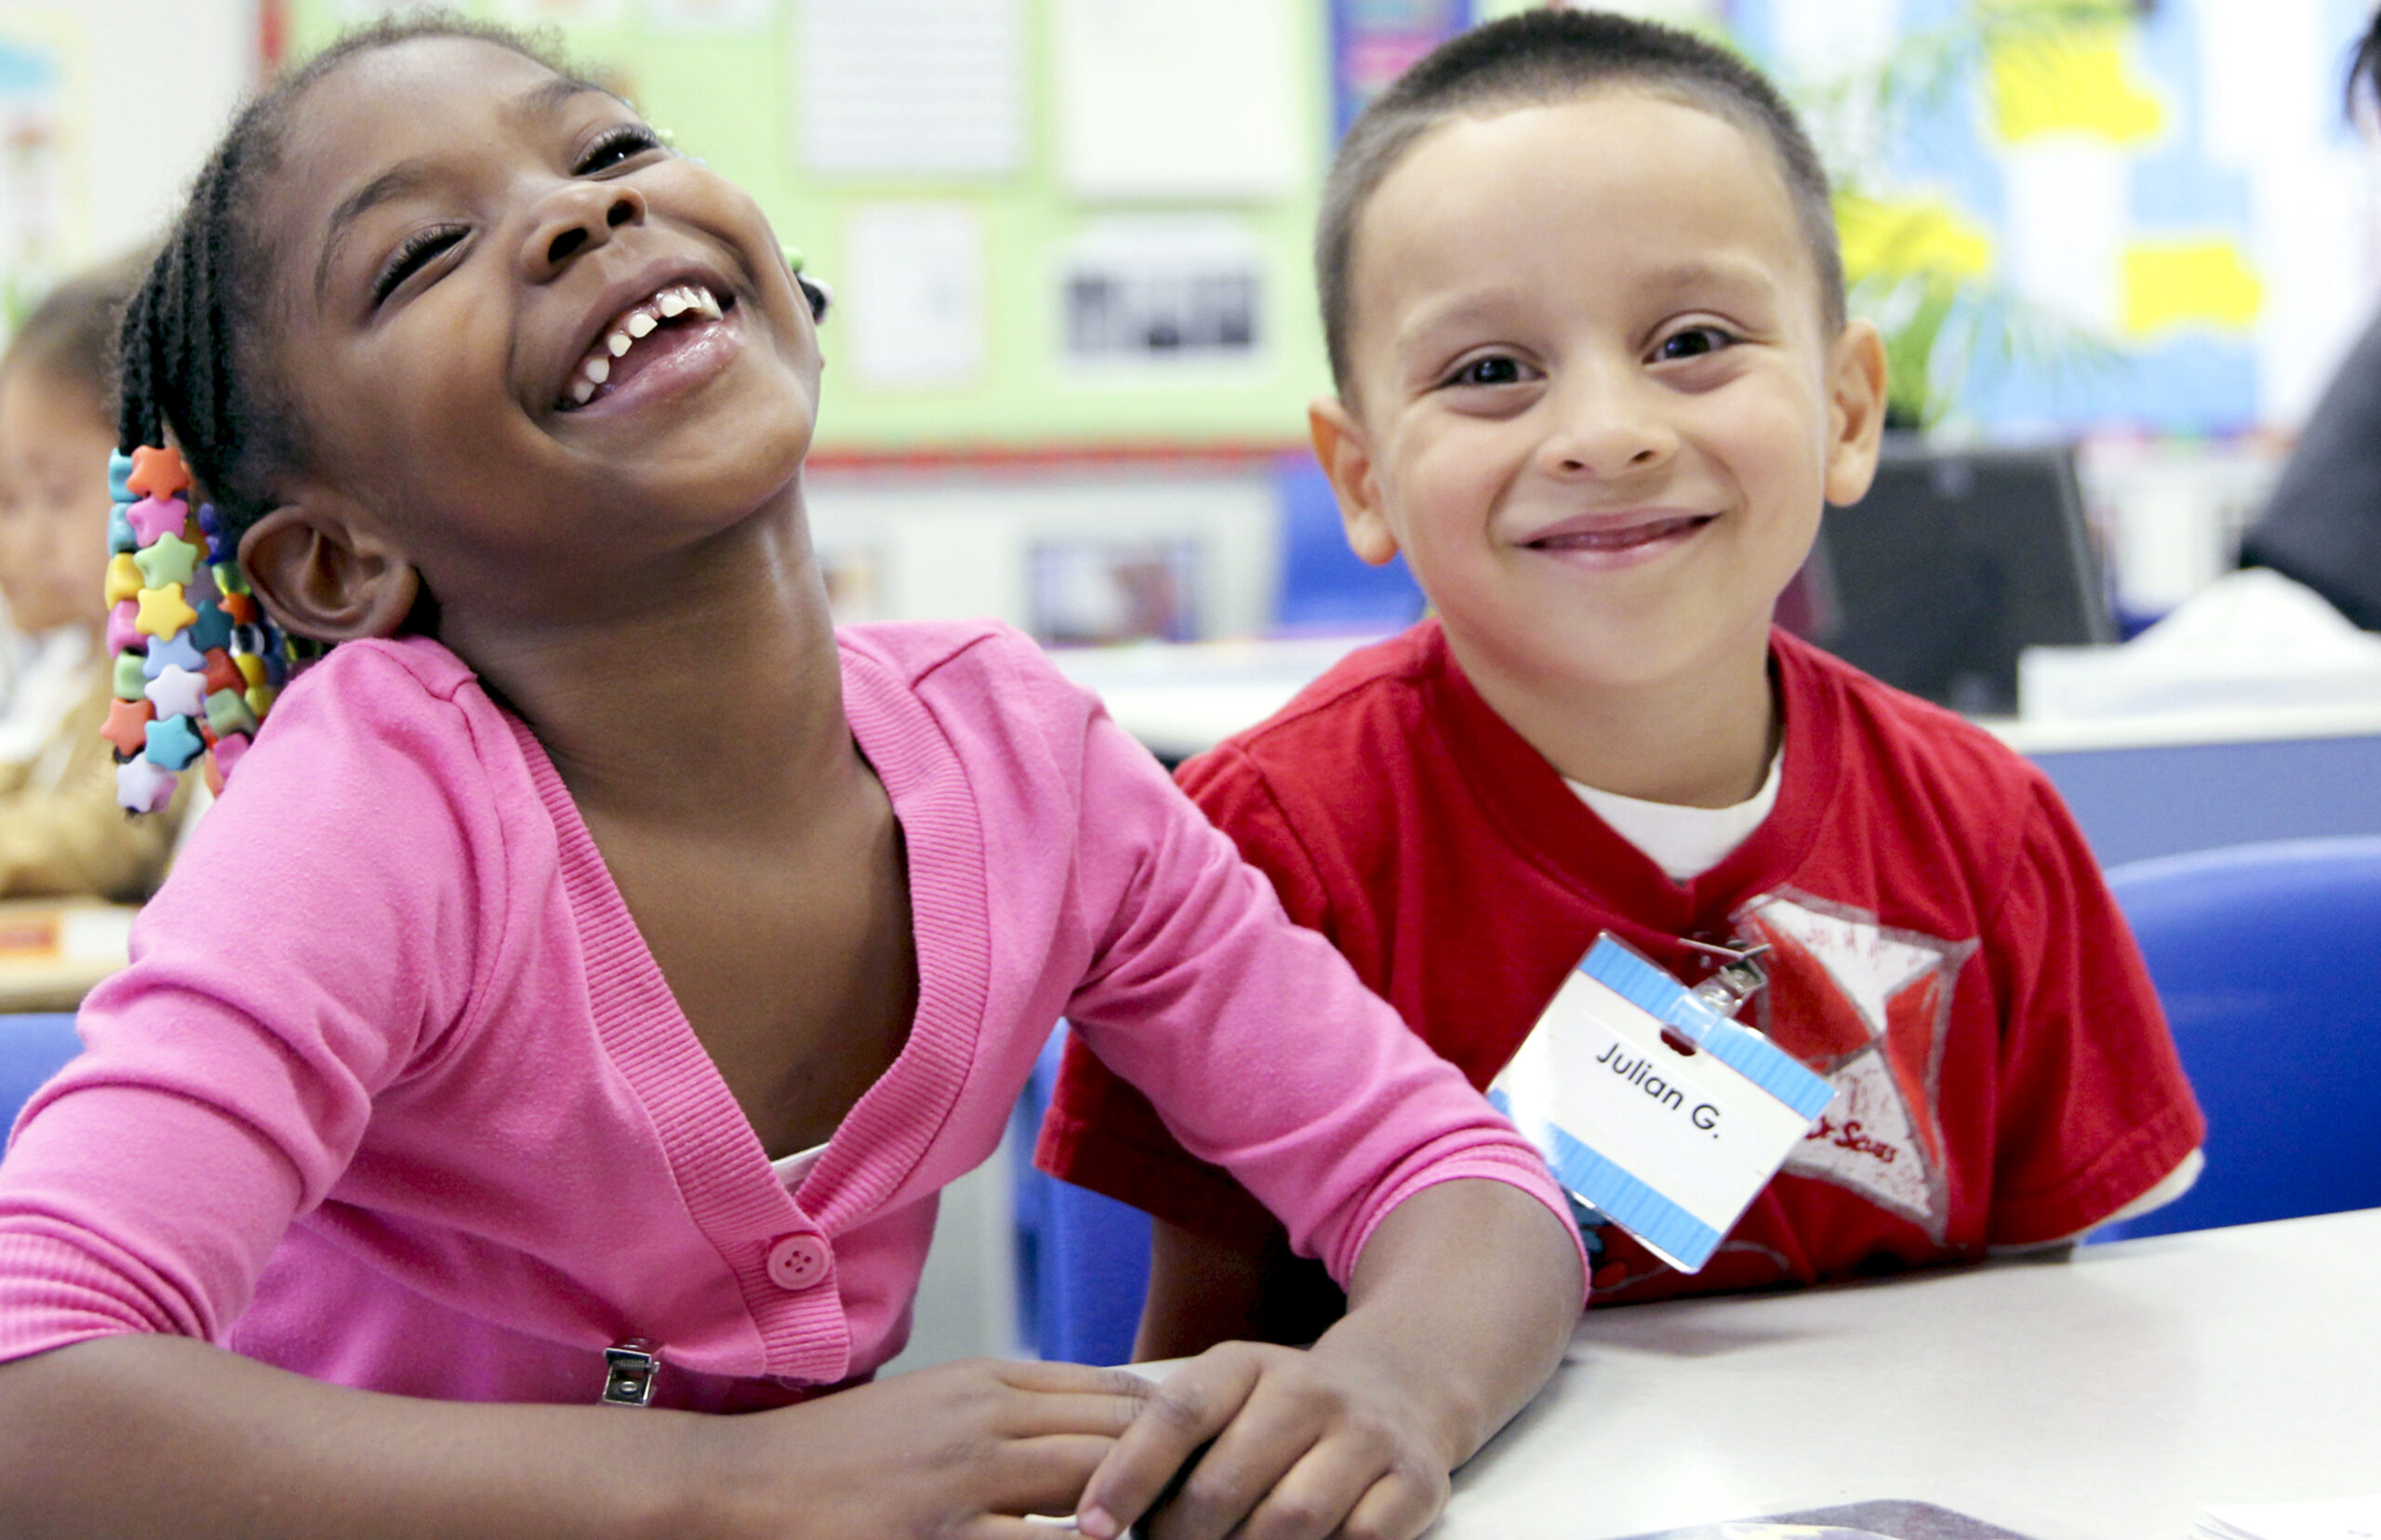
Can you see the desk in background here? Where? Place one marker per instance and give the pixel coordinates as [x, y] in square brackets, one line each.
[52, 950]
[2163, 786]
[2105, 1397]
[2139, 787]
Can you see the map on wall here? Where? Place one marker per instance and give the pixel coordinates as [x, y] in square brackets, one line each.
[2178, 185]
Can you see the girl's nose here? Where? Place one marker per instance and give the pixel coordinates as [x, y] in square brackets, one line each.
[1605, 429]
[577, 218]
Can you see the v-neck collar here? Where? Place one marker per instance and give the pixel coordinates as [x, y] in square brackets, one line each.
[722, 1168]
[1546, 823]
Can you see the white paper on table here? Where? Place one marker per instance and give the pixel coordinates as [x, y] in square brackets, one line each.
[911, 87]
[2340, 1518]
[1161, 98]
[2250, 640]
[914, 294]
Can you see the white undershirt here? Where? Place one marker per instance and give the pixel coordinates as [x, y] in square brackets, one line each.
[791, 1169]
[1685, 841]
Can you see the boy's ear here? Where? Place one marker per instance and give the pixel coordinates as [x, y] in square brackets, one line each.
[1346, 459]
[322, 570]
[1856, 411]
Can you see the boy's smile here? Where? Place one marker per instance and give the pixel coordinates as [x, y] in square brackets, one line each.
[598, 335]
[1590, 396]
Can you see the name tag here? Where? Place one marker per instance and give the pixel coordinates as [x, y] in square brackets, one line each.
[1670, 1145]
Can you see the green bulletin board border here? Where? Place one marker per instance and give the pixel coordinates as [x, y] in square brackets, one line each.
[731, 98]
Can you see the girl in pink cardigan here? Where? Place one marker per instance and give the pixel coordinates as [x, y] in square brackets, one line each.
[590, 975]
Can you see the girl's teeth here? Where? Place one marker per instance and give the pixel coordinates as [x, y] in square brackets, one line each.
[706, 305]
[673, 302]
[599, 369]
[581, 389]
[642, 324]
[617, 342]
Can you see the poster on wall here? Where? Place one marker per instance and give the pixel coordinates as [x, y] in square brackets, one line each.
[1095, 591]
[563, 13]
[1373, 41]
[715, 18]
[2159, 217]
[924, 88]
[1158, 292]
[44, 227]
[914, 302]
[1157, 99]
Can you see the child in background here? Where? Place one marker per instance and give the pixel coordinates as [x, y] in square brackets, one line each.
[595, 964]
[1586, 315]
[60, 832]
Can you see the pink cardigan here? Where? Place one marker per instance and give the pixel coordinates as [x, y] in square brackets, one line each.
[394, 1096]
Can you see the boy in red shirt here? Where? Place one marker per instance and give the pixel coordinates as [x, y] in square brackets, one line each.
[1585, 310]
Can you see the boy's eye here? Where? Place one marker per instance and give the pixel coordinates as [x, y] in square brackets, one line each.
[1488, 371]
[626, 142]
[1693, 343]
[411, 254]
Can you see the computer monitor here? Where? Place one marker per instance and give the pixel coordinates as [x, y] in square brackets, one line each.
[1955, 562]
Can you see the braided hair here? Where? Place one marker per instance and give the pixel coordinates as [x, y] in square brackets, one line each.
[197, 663]
[194, 357]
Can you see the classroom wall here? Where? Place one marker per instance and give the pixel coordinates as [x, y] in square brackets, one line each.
[107, 110]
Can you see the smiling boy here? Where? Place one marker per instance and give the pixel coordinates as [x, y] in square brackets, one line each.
[1586, 318]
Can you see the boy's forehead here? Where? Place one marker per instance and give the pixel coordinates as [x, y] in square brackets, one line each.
[1666, 190]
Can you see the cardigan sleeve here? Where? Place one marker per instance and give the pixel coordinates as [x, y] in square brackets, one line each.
[1252, 1038]
[324, 930]
[1099, 1131]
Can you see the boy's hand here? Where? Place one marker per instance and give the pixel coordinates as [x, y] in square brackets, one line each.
[1303, 1445]
[964, 1450]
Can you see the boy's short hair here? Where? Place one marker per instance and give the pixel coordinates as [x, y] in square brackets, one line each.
[71, 336]
[1543, 58]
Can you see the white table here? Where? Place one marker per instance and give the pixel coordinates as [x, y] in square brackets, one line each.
[2106, 1397]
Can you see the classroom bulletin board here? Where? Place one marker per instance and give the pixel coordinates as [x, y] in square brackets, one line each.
[1050, 225]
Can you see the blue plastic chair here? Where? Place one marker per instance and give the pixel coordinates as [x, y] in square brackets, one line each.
[32, 1048]
[1082, 1260]
[1325, 587]
[2267, 957]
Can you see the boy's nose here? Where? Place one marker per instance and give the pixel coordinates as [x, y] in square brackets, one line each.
[577, 218]
[1604, 430]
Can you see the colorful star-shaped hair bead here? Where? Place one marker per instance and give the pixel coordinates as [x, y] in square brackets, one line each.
[197, 665]
[157, 472]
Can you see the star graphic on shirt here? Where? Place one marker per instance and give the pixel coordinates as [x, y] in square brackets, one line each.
[1867, 1006]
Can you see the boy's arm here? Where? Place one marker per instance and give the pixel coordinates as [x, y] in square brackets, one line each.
[1460, 1307]
[2094, 1112]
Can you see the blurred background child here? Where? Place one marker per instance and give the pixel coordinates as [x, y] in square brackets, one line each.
[60, 830]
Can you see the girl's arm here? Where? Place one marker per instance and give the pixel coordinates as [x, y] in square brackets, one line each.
[1460, 1308]
[1204, 1291]
[165, 1436]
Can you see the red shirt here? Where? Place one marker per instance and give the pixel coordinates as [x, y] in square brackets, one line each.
[1944, 951]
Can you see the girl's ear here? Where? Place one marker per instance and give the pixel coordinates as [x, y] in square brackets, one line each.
[1339, 445]
[322, 572]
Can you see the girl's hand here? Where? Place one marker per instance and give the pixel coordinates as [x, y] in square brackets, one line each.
[961, 1452]
[1303, 1445]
